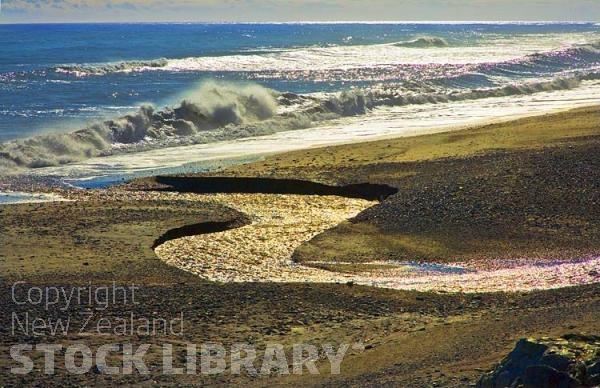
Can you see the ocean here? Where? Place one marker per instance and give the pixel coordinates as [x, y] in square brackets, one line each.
[94, 100]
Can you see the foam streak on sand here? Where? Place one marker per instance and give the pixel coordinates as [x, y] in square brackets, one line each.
[262, 252]
[19, 197]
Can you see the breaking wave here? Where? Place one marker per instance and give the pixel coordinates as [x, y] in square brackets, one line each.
[424, 42]
[361, 101]
[210, 107]
[226, 111]
[586, 55]
[393, 58]
[119, 67]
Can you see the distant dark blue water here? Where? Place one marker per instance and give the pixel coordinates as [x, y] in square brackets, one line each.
[60, 77]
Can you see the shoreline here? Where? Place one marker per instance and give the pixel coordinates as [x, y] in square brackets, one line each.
[480, 276]
[482, 280]
[220, 155]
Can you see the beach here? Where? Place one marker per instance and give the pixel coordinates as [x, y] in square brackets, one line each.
[512, 206]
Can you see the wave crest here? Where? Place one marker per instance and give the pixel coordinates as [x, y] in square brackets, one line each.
[332, 59]
[548, 62]
[224, 111]
[424, 42]
[211, 106]
[102, 69]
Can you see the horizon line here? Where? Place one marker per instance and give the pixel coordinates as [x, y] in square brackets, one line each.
[456, 22]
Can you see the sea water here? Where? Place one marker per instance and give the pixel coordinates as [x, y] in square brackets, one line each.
[98, 100]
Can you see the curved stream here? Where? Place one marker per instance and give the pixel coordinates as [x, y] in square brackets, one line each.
[262, 252]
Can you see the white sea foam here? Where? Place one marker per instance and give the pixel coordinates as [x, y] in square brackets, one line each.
[224, 111]
[370, 56]
[382, 122]
[419, 50]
